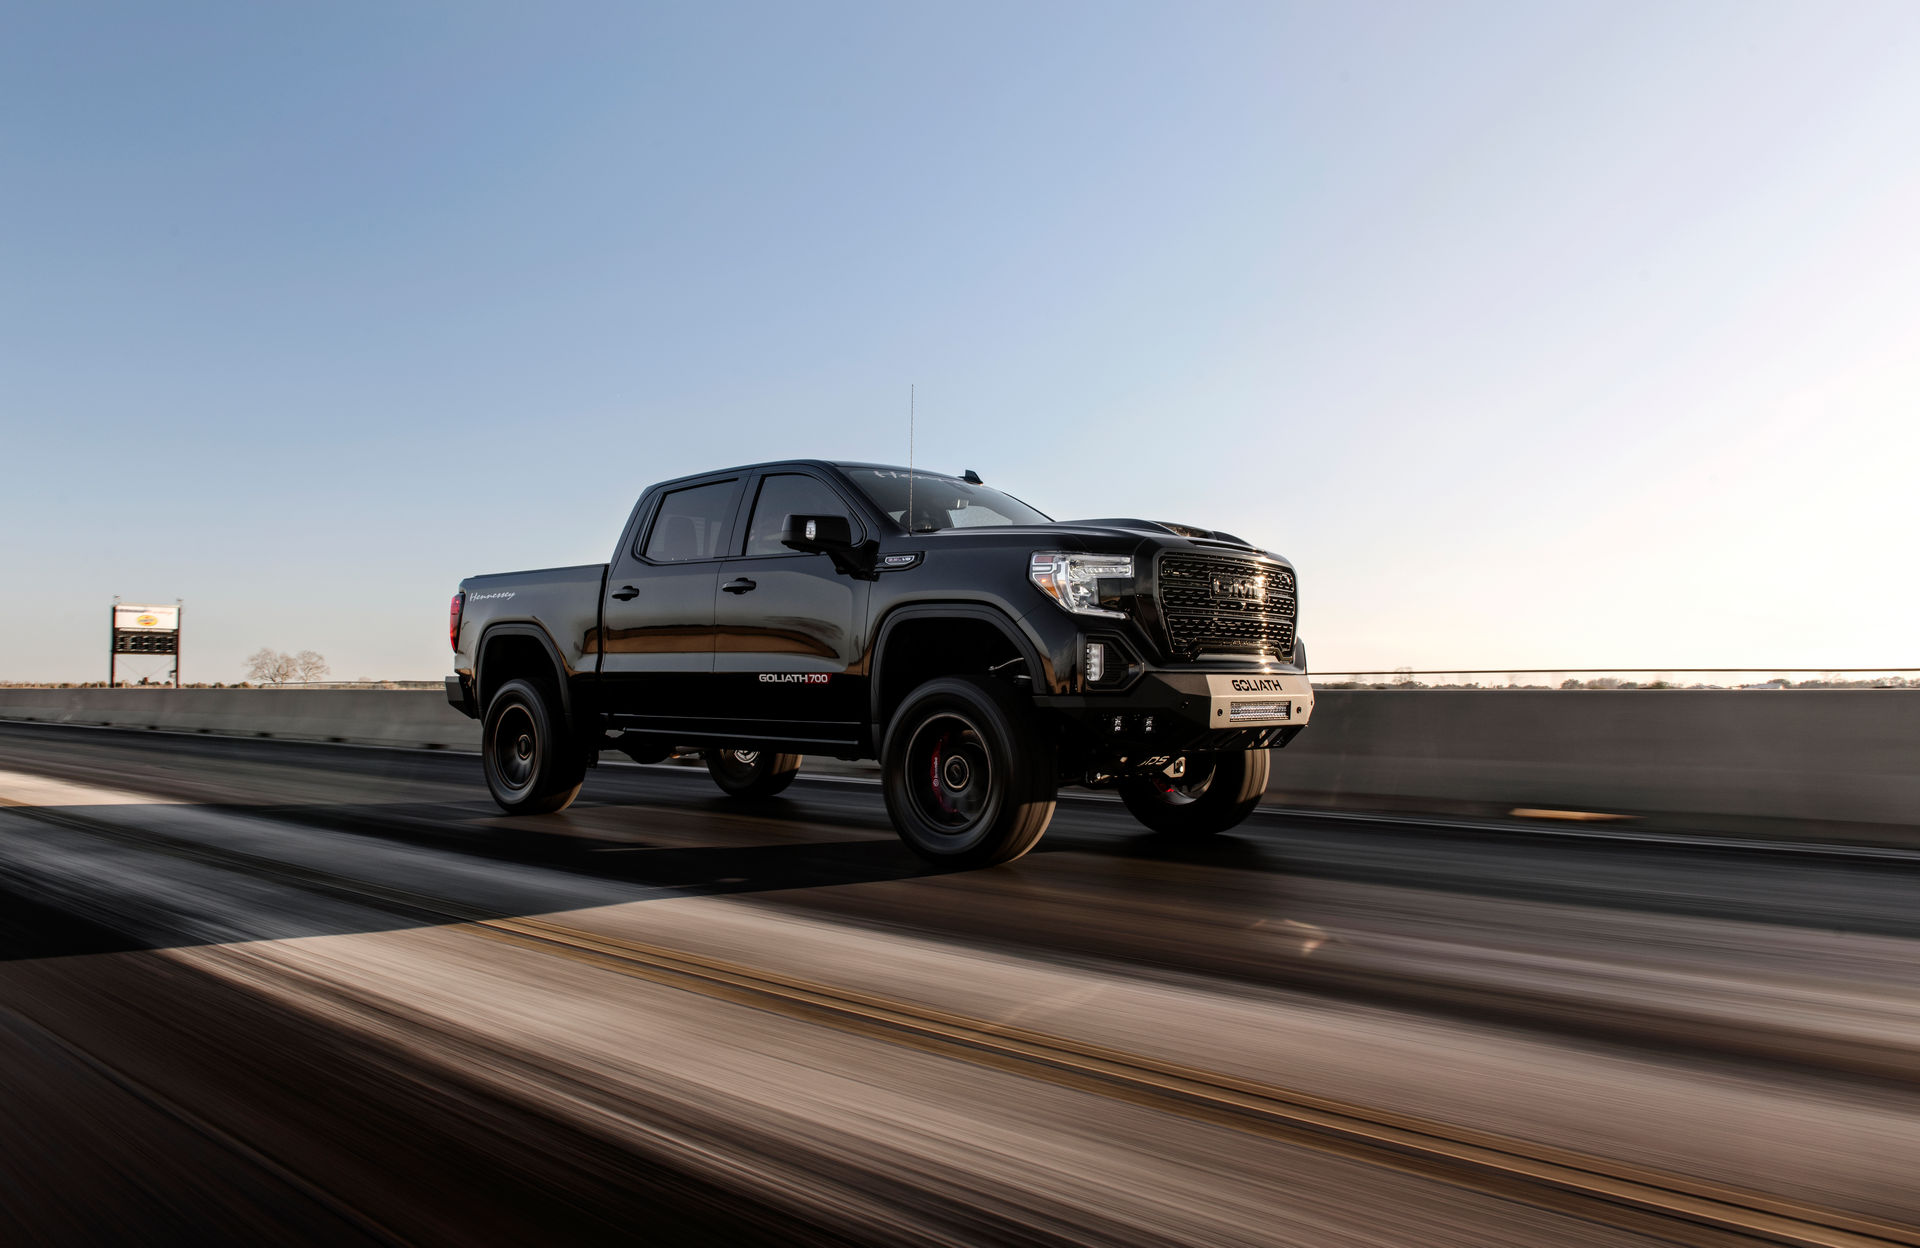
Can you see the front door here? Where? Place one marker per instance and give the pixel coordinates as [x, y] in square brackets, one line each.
[789, 627]
[657, 622]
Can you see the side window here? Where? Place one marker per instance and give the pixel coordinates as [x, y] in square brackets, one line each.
[692, 523]
[787, 494]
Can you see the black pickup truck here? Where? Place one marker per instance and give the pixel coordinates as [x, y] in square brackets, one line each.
[984, 653]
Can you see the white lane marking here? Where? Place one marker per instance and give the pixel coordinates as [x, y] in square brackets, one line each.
[1309, 936]
[18, 788]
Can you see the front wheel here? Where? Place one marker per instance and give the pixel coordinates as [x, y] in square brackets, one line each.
[1214, 792]
[751, 773]
[968, 777]
[532, 765]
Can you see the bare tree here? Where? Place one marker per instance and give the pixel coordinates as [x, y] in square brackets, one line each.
[309, 666]
[268, 666]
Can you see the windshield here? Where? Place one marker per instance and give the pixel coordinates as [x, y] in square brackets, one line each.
[940, 502]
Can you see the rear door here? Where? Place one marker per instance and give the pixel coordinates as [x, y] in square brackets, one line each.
[789, 627]
[656, 638]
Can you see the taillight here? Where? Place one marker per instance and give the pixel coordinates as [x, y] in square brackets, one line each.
[453, 620]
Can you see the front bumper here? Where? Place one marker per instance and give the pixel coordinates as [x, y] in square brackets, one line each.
[1177, 711]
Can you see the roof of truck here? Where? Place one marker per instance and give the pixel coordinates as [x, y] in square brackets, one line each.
[810, 463]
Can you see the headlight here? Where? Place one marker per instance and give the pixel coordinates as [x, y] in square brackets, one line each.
[1073, 581]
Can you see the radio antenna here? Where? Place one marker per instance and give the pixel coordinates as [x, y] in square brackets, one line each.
[910, 390]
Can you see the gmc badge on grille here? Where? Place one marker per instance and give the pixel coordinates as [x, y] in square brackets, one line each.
[1240, 588]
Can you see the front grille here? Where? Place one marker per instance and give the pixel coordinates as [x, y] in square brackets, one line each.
[1216, 604]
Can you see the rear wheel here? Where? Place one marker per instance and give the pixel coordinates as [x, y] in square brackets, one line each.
[968, 778]
[1214, 792]
[751, 773]
[533, 766]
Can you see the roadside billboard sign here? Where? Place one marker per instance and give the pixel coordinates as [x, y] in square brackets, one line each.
[132, 617]
[144, 629]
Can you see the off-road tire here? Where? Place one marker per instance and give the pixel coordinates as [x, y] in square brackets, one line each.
[751, 773]
[533, 765]
[1197, 805]
[969, 776]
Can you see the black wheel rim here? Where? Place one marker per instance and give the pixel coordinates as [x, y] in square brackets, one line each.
[949, 774]
[739, 766]
[1189, 788]
[515, 748]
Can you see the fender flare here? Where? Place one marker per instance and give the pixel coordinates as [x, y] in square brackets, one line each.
[539, 634]
[943, 611]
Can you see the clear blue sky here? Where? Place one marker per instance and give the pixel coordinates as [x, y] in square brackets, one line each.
[1537, 335]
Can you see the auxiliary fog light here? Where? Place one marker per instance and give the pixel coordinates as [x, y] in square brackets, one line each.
[1096, 662]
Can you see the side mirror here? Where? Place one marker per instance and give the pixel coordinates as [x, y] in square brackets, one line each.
[817, 534]
[831, 536]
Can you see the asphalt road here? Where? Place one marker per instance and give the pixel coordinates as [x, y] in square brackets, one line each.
[257, 991]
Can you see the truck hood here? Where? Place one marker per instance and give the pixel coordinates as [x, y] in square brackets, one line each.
[1116, 532]
[1157, 528]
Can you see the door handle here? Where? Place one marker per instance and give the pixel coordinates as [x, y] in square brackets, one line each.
[738, 585]
[626, 593]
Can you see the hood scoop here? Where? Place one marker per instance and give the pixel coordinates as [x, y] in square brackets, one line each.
[1192, 533]
[1212, 537]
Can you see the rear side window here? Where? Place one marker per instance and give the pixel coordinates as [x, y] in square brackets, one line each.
[782, 495]
[692, 523]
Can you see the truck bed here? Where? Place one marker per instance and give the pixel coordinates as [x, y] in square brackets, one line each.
[563, 603]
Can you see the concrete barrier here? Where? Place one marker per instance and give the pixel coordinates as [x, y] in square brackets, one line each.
[1841, 763]
[406, 717]
[1706, 758]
